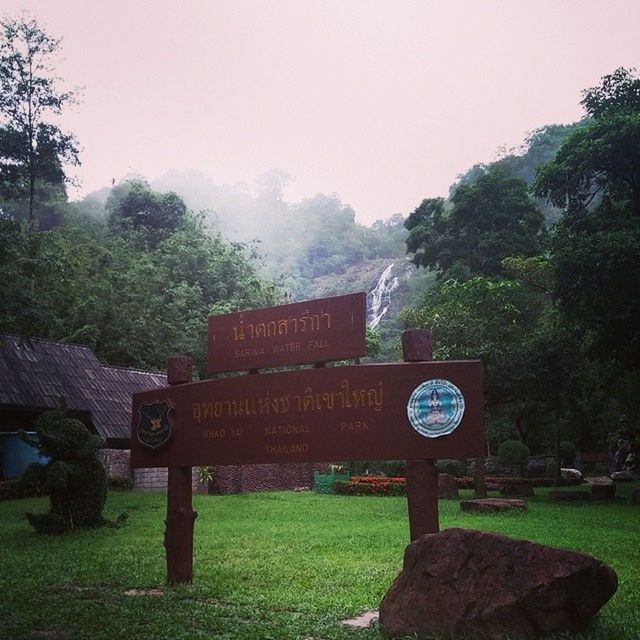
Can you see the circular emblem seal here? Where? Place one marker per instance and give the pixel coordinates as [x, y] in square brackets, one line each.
[435, 408]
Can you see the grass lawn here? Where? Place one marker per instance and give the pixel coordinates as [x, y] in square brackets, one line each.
[271, 565]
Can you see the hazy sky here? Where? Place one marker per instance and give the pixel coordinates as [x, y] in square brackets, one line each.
[381, 102]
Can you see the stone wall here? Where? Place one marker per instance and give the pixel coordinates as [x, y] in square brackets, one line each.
[117, 462]
[150, 479]
[227, 479]
[263, 477]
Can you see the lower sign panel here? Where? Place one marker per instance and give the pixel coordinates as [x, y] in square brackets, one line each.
[365, 412]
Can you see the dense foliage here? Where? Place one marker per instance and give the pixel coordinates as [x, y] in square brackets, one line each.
[490, 219]
[596, 250]
[310, 247]
[555, 320]
[133, 296]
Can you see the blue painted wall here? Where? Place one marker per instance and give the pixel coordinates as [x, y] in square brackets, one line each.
[16, 455]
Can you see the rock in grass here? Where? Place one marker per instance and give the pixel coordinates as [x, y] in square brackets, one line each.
[603, 491]
[569, 496]
[447, 487]
[487, 586]
[484, 505]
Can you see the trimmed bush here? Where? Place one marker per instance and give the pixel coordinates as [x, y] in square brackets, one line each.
[456, 468]
[32, 482]
[326, 483]
[74, 478]
[514, 453]
[119, 483]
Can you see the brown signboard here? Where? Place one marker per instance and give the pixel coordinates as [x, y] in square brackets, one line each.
[388, 411]
[299, 333]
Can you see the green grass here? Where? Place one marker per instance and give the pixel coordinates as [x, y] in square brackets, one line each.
[275, 565]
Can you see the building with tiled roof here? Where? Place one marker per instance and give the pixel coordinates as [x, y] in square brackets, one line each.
[34, 374]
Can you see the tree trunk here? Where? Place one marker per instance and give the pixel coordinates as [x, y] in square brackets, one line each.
[479, 484]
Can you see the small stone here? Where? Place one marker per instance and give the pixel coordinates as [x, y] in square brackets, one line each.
[571, 475]
[482, 585]
[517, 488]
[635, 496]
[447, 487]
[602, 491]
[487, 505]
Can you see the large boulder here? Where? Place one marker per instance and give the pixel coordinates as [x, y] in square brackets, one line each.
[490, 587]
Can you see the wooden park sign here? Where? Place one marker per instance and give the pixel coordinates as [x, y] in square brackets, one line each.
[418, 410]
[299, 333]
[364, 412]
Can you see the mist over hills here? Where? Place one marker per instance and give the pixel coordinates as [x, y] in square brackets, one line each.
[316, 247]
[302, 246]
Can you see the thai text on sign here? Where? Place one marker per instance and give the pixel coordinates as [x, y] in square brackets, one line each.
[299, 333]
[366, 412]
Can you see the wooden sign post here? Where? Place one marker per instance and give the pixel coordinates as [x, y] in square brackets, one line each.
[421, 475]
[418, 410]
[178, 536]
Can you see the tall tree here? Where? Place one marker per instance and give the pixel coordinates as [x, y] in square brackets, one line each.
[600, 161]
[596, 247]
[491, 219]
[32, 147]
[133, 204]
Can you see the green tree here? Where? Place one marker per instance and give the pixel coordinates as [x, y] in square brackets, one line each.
[134, 204]
[133, 303]
[512, 328]
[596, 264]
[32, 149]
[602, 159]
[491, 218]
[596, 247]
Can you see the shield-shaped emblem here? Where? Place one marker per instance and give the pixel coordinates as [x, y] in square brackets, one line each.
[154, 424]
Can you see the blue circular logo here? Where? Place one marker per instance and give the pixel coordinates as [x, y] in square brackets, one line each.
[435, 408]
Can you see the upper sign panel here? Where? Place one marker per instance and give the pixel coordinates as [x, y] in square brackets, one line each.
[299, 333]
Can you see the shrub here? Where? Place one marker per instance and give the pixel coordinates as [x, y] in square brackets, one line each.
[455, 468]
[326, 483]
[8, 490]
[119, 483]
[75, 477]
[514, 453]
[372, 486]
[32, 482]
[391, 468]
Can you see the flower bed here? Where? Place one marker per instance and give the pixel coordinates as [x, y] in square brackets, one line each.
[381, 486]
[372, 486]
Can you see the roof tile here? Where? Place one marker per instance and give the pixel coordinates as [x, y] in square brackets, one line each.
[35, 372]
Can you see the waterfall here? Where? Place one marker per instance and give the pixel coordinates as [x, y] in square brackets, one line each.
[380, 296]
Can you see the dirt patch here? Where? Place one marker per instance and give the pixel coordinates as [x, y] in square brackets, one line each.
[153, 593]
[363, 621]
